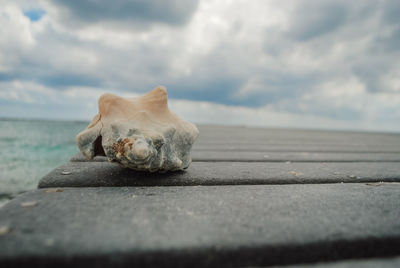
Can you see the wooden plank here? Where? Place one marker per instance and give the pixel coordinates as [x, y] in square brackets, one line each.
[243, 147]
[97, 174]
[390, 262]
[213, 156]
[268, 135]
[218, 156]
[218, 226]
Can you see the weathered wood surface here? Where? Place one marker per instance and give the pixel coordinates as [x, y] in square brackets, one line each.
[96, 174]
[219, 226]
[234, 156]
[251, 197]
[236, 139]
[354, 263]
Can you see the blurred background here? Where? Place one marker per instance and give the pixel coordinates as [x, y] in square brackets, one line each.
[332, 64]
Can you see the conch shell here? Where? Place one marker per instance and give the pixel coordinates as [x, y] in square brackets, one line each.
[139, 133]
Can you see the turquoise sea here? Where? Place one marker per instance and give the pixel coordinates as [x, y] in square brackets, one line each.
[29, 149]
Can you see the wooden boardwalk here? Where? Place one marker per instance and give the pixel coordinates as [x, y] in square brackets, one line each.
[251, 197]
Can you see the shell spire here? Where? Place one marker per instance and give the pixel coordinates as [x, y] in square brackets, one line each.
[157, 97]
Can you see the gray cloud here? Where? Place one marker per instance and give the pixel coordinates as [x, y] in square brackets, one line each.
[368, 33]
[391, 11]
[142, 13]
[315, 18]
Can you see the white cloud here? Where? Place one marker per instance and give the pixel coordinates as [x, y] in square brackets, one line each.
[16, 37]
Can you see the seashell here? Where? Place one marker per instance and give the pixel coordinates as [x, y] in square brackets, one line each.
[139, 133]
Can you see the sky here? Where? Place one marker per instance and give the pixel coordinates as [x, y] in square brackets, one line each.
[324, 64]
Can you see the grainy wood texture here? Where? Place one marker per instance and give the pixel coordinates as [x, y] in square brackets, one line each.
[97, 174]
[219, 226]
[223, 156]
[251, 197]
[236, 139]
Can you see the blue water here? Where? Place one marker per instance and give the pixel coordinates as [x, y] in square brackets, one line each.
[29, 149]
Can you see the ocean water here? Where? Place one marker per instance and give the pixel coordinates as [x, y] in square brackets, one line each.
[29, 149]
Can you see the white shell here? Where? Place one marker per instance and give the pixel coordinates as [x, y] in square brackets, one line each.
[139, 133]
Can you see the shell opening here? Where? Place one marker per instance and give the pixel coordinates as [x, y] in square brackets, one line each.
[98, 147]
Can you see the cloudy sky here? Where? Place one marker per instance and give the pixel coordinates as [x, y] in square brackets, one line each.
[292, 63]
